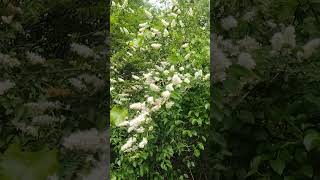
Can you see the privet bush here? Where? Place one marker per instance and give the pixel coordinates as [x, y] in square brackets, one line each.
[160, 88]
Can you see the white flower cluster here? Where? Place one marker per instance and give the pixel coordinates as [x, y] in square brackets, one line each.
[82, 50]
[158, 96]
[7, 61]
[88, 140]
[5, 86]
[35, 58]
[83, 80]
[282, 39]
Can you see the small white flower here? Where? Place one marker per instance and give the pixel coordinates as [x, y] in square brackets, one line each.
[7, 19]
[140, 130]
[148, 14]
[137, 106]
[176, 79]
[173, 23]
[207, 76]
[35, 58]
[229, 23]
[181, 69]
[165, 23]
[169, 104]
[181, 24]
[154, 87]
[82, 50]
[156, 46]
[166, 72]
[120, 80]
[5, 86]
[173, 15]
[187, 56]
[166, 94]
[143, 143]
[190, 12]
[185, 45]
[124, 123]
[143, 25]
[245, 60]
[169, 87]
[165, 33]
[172, 69]
[135, 77]
[128, 144]
[198, 74]
[186, 80]
[310, 47]
[150, 100]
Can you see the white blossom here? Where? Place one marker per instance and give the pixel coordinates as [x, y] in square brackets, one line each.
[82, 50]
[229, 23]
[156, 46]
[310, 47]
[137, 106]
[164, 22]
[88, 140]
[169, 104]
[169, 87]
[128, 144]
[173, 23]
[35, 58]
[165, 33]
[5, 86]
[166, 94]
[154, 87]
[187, 56]
[176, 79]
[150, 100]
[143, 143]
[245, 60]
[6, 60]
[148, 14]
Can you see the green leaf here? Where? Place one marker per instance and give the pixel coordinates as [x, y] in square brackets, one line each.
[278, 165]
[117, 115]
[23, 165]
[307, 171]
[311, 140]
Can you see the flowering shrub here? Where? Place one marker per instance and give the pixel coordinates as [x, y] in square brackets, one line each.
[160, 89]
[52, 82]
[265, 91]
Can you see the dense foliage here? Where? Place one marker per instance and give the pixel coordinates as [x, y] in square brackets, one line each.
[160, 88]
[265, 95]
[52, 90]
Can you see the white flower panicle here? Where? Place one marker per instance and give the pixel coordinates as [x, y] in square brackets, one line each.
[245, 60]
[156, 46]
[88, 140]
[5, 86]
[310, 47]
[148, 14]
[143, 143]
[166, 94]
[128, 144]
[35, 58]
[46, 120]
[138, 106]
[176, 79]
[165, 23]
[154, 87]
[7, 61]
[229, 23]
[82, 50]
